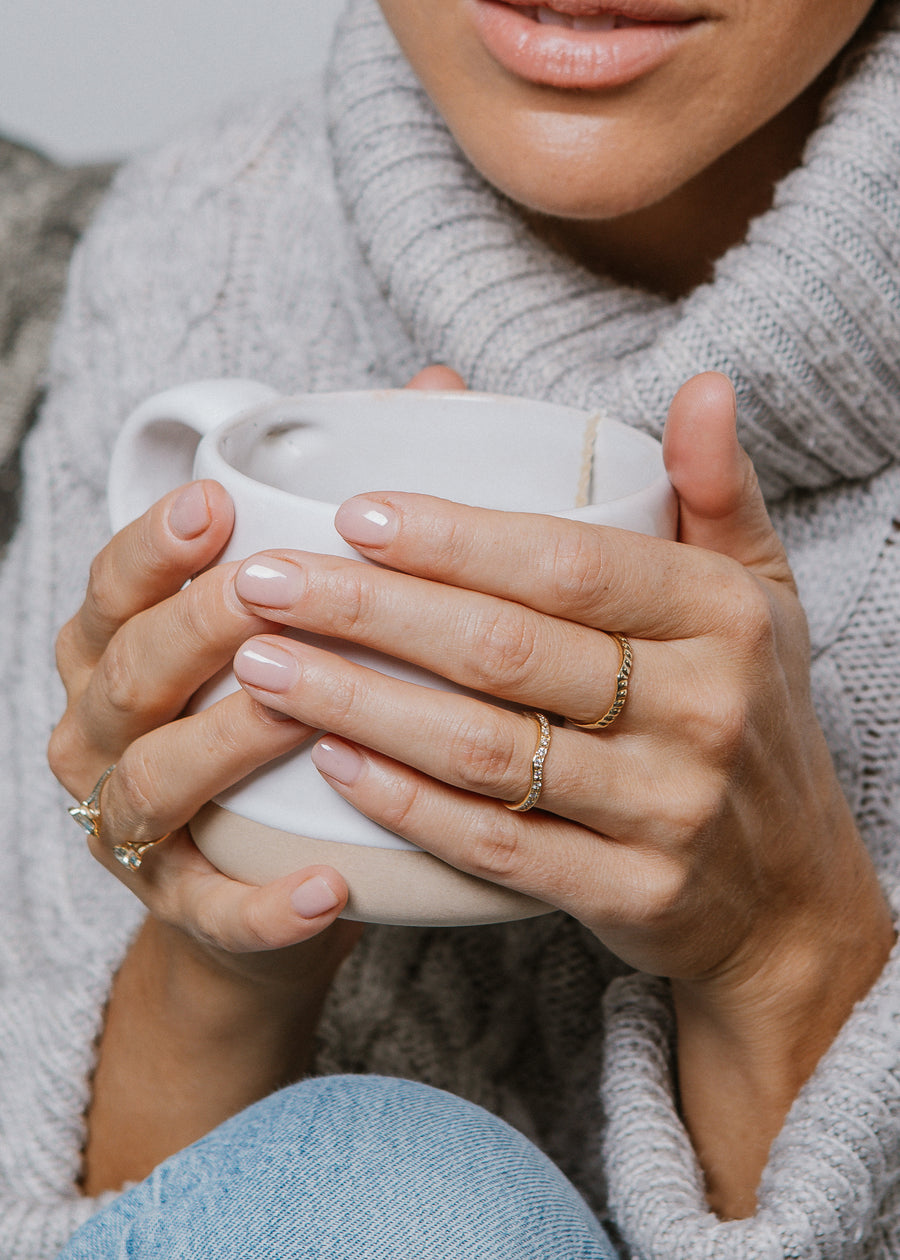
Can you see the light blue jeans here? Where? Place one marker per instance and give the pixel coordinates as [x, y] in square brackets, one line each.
[351, 1168]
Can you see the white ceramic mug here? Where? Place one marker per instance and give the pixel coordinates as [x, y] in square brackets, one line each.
[287, 463]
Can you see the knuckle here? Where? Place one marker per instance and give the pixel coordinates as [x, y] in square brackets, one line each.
[751, 621]
[63, 753]
[401, 811]
[493, 846]
[757, 620]
[664, 888]
[150, 548]
[134, 781]
[230, 730]
[66, 654]
[457, 545]
[695, 807]
[345, 696]
[255, 927]
[731, 734]
[577, 571]
[207, 924]
[503, 651]
[197, 613]
[353, 598]
[119, 680]
[482, 753]
[719, 724]
[221, 925]
[103, 588]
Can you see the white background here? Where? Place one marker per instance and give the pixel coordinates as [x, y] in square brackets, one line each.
[86, 79]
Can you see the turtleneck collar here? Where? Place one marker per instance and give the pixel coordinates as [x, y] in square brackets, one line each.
[804, 316]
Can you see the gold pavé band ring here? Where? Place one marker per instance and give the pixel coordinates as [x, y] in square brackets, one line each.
[622, 680]
[533, 795]
[87, 815]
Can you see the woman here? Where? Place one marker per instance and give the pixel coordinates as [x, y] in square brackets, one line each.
[578, 209]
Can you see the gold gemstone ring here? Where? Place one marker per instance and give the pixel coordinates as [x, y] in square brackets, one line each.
[87, 815]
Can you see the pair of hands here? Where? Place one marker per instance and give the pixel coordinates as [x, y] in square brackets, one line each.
[704, 837]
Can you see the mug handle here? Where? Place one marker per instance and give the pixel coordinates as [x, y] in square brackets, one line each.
[154, 451]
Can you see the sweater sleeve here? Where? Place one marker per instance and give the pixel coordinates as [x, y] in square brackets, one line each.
[828, 1191]
[48, 1029]
[43, 209]
[167, 254]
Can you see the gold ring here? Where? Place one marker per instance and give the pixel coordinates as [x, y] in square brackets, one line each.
[131, 854]
[533, 795]
[622, 679]
[87, 815]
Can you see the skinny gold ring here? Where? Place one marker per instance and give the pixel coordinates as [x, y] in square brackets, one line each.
[622, 679]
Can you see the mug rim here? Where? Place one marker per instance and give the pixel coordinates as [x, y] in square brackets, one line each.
[216, 436]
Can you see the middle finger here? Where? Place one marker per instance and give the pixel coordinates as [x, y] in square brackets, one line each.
[158, 659]
[480, 642]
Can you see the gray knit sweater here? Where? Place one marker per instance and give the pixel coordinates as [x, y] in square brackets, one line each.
[44, 208]
[344, 244]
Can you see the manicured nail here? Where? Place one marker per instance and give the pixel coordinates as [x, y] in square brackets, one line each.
[338, 760]
[313, 898]
[271, 583]
[366, 522]
[189, 515]
[265, 666]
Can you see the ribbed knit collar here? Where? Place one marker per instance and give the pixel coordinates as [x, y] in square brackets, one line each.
[804, 316]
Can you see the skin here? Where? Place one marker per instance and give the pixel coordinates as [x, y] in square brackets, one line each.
[677, 163]
[703, 838]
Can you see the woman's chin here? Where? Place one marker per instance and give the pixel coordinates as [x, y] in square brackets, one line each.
[555, 186]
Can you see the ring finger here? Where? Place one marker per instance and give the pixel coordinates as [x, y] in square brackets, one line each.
[461, 740]
[178, 884]
[163, 778]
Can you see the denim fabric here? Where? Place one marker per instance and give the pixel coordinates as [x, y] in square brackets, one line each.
[351, 1168]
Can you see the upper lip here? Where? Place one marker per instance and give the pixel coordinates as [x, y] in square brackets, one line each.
[637, 10]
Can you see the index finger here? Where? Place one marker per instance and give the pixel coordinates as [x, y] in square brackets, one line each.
[610, 579]
[150, 560]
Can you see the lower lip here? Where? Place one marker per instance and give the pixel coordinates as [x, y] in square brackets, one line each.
[558, 57]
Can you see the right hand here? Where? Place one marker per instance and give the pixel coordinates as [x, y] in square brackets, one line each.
[130, 659]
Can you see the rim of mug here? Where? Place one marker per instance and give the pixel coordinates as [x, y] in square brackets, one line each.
[659, 483]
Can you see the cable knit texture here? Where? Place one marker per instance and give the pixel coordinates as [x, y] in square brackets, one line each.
[343, 246]
[43, 209]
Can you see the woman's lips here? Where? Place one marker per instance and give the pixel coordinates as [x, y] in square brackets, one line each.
[578, 45]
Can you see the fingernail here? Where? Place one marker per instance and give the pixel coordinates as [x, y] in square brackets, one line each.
[313, 898]
[266, 666]
[366, 522]
[271, 583]
[338, 760]
[189, 515]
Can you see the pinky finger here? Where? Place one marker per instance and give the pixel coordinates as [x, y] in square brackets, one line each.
[181, 887]
[243, 919]
[539, 854]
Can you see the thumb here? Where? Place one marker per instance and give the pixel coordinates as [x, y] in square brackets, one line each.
[721, 505]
